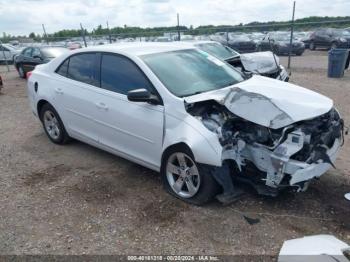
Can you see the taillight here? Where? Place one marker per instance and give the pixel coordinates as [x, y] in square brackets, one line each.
[28, 74]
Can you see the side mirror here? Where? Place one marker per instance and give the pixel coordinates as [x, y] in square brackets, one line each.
[143, 95]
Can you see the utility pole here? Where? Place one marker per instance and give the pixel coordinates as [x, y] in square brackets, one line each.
[291, 36]
[83, 34]
[47, 40]
[178, 27]
[109, 34]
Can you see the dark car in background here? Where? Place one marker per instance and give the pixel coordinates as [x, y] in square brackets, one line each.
[241, 42]
[303, 37]
[279, 43]
[329, 38]
[33, 56]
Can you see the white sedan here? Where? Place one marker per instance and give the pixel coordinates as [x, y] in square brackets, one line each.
[188, 115]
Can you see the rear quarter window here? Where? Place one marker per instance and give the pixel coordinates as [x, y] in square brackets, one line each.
[63, 68]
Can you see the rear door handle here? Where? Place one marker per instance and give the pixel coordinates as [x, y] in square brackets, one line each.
[58, 90]
[101, 105]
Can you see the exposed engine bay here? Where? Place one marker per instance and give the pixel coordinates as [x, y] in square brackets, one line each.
[268, 158]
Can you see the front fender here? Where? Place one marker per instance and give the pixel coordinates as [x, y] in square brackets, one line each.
[204, 144]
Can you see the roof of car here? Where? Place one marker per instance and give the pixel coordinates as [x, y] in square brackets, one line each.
[137, 48]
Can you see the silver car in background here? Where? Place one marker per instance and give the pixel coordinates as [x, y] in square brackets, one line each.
[8, 52]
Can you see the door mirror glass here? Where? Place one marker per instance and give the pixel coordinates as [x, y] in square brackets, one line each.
[37, 57]
[143, 95]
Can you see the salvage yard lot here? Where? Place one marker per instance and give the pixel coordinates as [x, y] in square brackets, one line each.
[76, 199]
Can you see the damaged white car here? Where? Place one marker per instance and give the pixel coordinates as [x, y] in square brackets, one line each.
[260, 63]
[187, 114]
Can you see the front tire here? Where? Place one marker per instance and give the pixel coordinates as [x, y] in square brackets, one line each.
[186, 179]
[53, 125]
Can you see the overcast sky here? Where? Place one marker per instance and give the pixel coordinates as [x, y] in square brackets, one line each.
[25, 16]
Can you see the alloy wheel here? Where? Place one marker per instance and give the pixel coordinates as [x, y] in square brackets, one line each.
[51, 125]
[182, 175]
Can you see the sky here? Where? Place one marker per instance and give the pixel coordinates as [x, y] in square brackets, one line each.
[20, 17]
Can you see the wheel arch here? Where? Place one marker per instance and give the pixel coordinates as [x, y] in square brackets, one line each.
[40, 105]
[179, 146]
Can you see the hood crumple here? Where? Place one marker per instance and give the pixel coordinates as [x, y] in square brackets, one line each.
[268, 102]
[260, 62]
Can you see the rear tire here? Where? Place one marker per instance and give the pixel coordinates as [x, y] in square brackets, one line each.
[204, 189]
[21, 72]
[53, 125]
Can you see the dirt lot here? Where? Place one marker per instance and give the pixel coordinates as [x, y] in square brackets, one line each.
[76, 199]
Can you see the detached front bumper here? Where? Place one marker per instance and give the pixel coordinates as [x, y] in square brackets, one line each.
[301, 172]
[281, 169]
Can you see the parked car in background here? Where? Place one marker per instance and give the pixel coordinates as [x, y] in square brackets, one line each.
[73, 45]
[241, 42]
[262, 63]
[303, 37]
[202, 119]
[329, 38]
[33, 56]
[279, 43]
[8, 53]
[162, 39]
[256, 37]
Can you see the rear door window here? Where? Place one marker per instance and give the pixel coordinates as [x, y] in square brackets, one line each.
[120, 75]
[82, 68]
[27, 52]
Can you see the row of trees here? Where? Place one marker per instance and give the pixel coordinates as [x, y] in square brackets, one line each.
[307, 23]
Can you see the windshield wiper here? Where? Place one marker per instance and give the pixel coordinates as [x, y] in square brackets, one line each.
[195, 93]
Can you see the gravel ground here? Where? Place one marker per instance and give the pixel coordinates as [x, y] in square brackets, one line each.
[76, 199]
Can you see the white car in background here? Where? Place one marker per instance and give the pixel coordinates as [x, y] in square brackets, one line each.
[190, 116]
[8, 53]
[260, 63]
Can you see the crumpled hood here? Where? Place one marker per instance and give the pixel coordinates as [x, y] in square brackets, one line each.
[268, 102]
[260, 62]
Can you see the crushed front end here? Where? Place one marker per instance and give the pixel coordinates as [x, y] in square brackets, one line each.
[271, 159]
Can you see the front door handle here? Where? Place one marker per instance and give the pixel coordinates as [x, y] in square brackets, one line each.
[58, 90]
[101, 105]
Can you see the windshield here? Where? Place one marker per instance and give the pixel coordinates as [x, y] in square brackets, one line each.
[218, 50]
[189, 72]
[52, 52]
